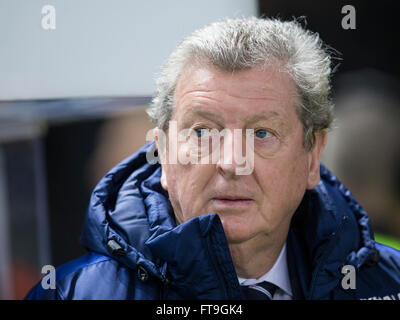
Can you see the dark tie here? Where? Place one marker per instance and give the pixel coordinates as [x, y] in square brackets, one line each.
[259, 291]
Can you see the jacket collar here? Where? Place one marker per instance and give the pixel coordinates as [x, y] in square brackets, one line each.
[198, 258]
[328, 230]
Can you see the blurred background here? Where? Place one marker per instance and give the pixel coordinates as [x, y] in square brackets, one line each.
[75, 80]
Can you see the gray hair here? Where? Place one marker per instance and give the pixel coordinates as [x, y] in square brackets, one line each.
[237, 44]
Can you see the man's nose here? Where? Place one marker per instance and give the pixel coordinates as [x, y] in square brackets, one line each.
[231, 152]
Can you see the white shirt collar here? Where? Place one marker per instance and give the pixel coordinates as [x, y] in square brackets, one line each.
[278, 274]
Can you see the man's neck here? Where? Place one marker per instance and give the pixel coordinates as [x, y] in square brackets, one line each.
[255, 257]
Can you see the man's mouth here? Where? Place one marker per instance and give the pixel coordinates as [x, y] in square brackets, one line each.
[231, 201]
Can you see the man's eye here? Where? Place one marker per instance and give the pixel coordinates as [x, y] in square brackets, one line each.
[200, 132]
[263, 133]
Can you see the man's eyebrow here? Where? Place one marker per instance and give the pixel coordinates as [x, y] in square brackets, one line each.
[203, 113]
[265, 116]
[215, 117]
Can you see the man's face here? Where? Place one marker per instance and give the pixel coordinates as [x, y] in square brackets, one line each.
[258, 204]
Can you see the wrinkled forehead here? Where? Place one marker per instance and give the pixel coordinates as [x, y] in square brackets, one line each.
[256, 79]
[248, 92]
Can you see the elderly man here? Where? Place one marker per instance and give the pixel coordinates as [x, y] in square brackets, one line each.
[275, 226]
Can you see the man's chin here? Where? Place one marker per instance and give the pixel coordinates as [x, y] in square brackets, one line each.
[236, 230]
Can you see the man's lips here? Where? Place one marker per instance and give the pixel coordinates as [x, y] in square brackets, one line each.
[231, 201]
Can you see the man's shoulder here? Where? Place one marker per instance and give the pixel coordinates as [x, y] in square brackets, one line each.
[390, 257]
[87, 277]
[380, 278]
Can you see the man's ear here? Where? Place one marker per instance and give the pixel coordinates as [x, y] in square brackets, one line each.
[161, 155]
[164, 183]
[156, 137]
[314, 158]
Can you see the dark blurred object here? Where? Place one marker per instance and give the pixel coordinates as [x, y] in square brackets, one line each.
[45, 153]
[364, 150]
[23, 206]
[373, 44]
[68, 148]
